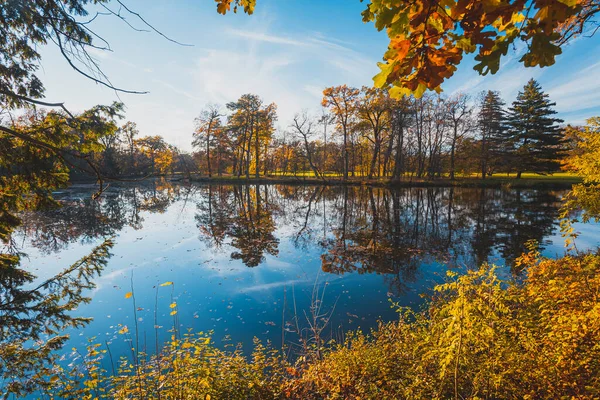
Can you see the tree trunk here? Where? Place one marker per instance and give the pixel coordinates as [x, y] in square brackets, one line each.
[374, 160]
[397, 174]
[257, 155]
[452, 152]
[483, 158]
[345, 154]
[309, 157]
[208, 155]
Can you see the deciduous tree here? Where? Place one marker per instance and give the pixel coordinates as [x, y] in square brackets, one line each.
[208, 126]
[341, 100]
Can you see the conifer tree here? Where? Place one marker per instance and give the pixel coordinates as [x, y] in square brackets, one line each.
[493, 131]
[492, 120]
[534, 133]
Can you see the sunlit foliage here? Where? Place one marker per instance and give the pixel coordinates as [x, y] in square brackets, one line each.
[429, 38]
[584, 158]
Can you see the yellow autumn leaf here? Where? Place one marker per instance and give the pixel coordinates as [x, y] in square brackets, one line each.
[173, 305]
[168, 283]
[570, 3]
[128, 295]
[173, 312]
[124, 330]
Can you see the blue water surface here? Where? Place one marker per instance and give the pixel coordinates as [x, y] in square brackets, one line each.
[266, 261]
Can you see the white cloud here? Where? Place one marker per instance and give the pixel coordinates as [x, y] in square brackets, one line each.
[222, 76]
[175, 89]
[315, 91]
[293, 78]
[579, 91]
[263, 37]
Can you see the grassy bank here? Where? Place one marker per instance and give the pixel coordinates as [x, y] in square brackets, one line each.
[478, 338]
[556, 181]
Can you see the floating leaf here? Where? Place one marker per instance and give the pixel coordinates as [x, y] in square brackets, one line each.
[168, 283]
[128, 295]
[173, 305]
[124, 330]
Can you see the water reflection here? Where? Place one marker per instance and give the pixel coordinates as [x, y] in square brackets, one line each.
[80, 219]
[376, 230]
[244, 215]
[358, 229]
[245, 258]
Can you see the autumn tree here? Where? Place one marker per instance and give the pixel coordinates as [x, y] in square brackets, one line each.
[401, 118]
[458, 114]
[325, 120]
[584, 159]
[108, 158]
[208, 125]
[157, 151]
[304, 127]
[428, 38]
[128, 133]
[534, 132]
[373, 110]
[341, 100]
[263, 136]
[251, 123]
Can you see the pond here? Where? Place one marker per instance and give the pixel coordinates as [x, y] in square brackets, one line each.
[267, 261]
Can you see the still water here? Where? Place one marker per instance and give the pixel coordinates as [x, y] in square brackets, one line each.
[249, 260]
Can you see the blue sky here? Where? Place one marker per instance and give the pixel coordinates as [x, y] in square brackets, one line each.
[287, 52]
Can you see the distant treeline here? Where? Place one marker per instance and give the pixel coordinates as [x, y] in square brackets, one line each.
[358, 133]
[365, 132]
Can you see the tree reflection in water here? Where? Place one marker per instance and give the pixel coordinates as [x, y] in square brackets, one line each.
[357, 229]
[79, 218]
[376, 230]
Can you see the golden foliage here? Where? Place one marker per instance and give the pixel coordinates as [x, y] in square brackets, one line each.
[584, 159]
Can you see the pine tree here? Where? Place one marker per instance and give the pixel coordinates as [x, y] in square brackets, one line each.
[493, 131]
[534, 132]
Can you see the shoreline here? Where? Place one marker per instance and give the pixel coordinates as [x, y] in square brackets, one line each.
[497, 182]
[543, 182]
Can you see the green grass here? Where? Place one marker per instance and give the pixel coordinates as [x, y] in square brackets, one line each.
[559, 176]
[558, 180]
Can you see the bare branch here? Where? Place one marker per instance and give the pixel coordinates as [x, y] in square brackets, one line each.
[150, 26]
[38, 102]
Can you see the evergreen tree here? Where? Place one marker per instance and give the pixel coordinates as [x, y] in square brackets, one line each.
[535, 134]
[493, 131]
